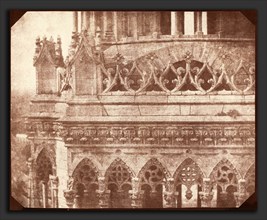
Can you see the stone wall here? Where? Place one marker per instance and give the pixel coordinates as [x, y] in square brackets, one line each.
[145, 101]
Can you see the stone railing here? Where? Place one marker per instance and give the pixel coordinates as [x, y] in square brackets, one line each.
[183, 66]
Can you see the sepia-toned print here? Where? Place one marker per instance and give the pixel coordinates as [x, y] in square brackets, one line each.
[133, 109]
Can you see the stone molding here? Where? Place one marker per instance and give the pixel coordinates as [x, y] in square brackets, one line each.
[191, 134]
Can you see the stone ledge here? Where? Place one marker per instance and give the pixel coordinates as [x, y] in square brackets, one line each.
[158, 119]
[148, 147]
[163, 99]
[185, 38]
[44, 115]
[159, 97]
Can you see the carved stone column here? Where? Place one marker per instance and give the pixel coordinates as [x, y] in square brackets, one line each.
[69, 196]
[44, 194]
[155, 29]
[206, 195]
[108, 25]
[134, 25]
[54, 190]
[69, 193]
[103, 198]
[82, 20]
[241, 195]
[86, 20]
[177, 23]
[124, 24]
[170, 199]
[169, 194]
[140, 23]
[102, 193]
[30, 182]
[221, 31]
[136, 197]
[115, 27]
[75, 22]
[78, 201]
[92, 23]
[135, 194]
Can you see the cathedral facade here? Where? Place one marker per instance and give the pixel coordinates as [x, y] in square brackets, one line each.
[150, 109]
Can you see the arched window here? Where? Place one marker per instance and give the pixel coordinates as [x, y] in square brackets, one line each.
[43, 170]
[85, 184]
[119, 177]
[152, 177]
[188, 179]
[225, 182]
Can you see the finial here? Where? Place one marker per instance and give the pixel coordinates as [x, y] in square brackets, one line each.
[84, 31]
[37, 41]
[98, 30]
[58, 39]
[38, 47]
[67, 60]
[51, 39]
[188, 56]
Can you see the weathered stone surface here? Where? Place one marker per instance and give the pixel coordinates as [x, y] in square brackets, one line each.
[84, 110]
[159, 109]
[205, 109]
[132, 109]
[121, 110]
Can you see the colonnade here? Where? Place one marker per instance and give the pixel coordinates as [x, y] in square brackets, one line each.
[115, 25]
[153, 187]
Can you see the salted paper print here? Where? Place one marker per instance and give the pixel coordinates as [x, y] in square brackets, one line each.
[133, 109]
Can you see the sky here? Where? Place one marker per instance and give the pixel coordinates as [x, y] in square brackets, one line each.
[23, 35]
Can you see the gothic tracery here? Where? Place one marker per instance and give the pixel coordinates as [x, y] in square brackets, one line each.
[143, 92]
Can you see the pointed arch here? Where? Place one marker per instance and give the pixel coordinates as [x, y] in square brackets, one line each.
[121, 162]
[152, 178]
[153, 173]
[85, 184]
[225, 178]
[118, 179]
[188, 173]
[44, 166]
[188, 179]
[43, 169]
[119, 173]
[225, 174]
[48, 150]
[154, 161]
[85, 174]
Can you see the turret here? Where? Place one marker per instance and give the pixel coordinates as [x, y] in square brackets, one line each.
[47, 58]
